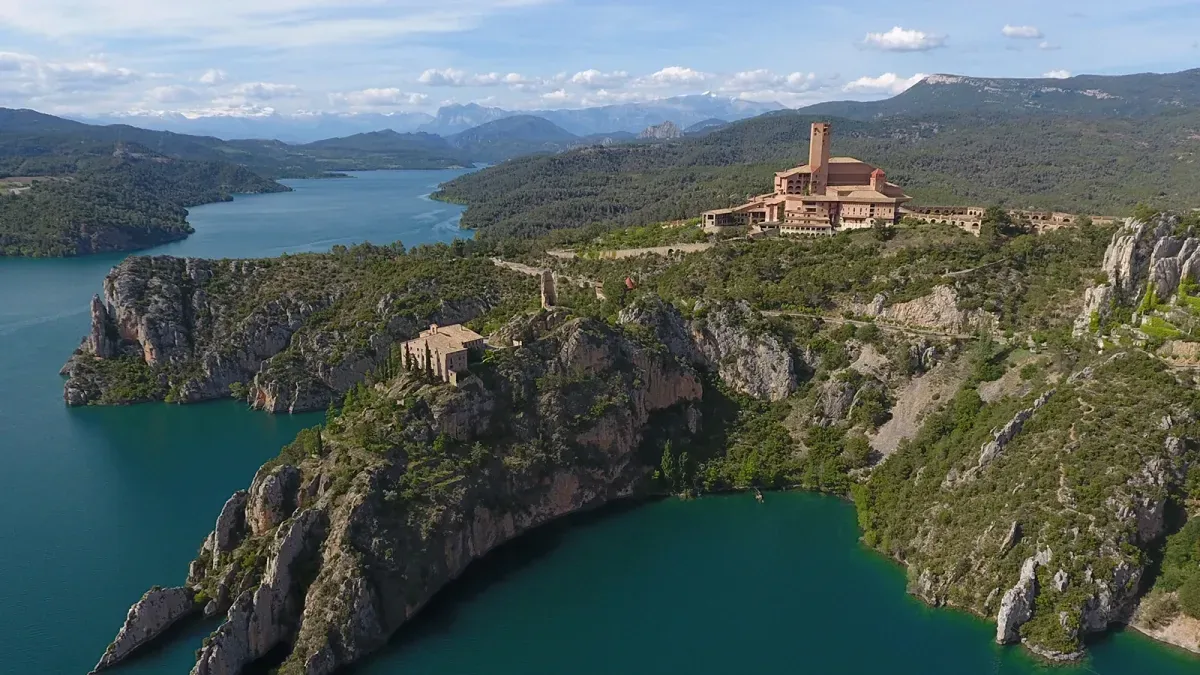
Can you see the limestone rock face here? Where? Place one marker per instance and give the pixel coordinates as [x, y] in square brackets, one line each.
[836, 398]
[937, 311]
[756, 364]
[147, 619]
[724, 341]
[258, 620]
[1140, 255]
[176, 316]
[1097, 302]
[272, 498]
[1016, 607]
[99, 341]
[231, 524]
[666, 131]
[667, 324]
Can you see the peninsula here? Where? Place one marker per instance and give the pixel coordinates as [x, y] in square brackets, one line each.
[1019, 434]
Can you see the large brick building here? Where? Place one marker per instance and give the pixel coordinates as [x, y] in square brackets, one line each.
[825, 196]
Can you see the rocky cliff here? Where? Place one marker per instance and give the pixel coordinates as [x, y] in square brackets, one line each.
[1041, 509]
[290, 334]
[726, 340]
[344, 537]
[1145, 263]
[937, 311]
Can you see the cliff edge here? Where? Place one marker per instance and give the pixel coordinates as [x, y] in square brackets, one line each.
[344, 537]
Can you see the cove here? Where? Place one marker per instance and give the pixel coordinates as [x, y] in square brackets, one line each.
[100, 503]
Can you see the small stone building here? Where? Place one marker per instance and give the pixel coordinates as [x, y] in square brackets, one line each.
[442, 351]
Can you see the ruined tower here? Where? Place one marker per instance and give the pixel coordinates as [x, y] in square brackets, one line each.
[549, 294]
[818, 156]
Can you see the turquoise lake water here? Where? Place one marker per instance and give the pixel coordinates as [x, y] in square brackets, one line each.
[98, 504]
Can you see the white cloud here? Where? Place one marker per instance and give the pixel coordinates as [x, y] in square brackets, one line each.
[557, 96]
[903, 40]
[673, 76]
[887, 83]
[89, 75]
[378, 98]
[595, 79]
[173, 93]
[266, 91]
[1022, 32]
[765, 79]
[452, 77]
[1057, 74]
[213, 76]
[445, 77]
[1046, 45]
[266, 23]
[32, 76]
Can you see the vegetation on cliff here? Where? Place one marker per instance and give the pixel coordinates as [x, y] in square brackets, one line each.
[290, 333]
[936, 378]
[409, 481]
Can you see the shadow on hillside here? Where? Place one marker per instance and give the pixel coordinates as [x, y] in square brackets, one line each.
[439, 616]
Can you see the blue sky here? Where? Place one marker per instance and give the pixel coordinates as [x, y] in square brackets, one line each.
[251, 56]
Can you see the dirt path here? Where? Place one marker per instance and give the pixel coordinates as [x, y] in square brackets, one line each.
[537, 272]
[616, 254]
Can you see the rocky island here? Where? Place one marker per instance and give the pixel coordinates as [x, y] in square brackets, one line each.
[1024, 450]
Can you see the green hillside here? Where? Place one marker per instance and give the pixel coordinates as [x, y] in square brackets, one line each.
[1067, 163]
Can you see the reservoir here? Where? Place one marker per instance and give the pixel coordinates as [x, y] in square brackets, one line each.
[97, 504]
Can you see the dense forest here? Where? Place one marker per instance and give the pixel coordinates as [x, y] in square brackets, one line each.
[123, 201]
[1073, 164]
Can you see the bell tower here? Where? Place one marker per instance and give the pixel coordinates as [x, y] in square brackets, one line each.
[818, 156]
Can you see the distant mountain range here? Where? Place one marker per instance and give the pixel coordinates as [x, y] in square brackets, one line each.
[1083, 95]
[449, 120]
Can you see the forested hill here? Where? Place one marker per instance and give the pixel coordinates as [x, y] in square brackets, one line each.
[1098, 165]
[124, 201]
[1135, 95]
[41, 137]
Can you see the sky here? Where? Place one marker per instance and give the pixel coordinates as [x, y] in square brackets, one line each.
[250, 57]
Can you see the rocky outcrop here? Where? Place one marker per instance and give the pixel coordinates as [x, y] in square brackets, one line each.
[345, 545]
[261, 619]
[754, 362]
[158, 610]
[660, 132]
[204, 328]
[937, 311]
[1097, 305]
[726, 340]
[1000, 440]
[272, 498]
[231, 524]
[1016, 607]
[1141, 256]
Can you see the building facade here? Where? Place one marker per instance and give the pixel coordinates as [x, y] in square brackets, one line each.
[970, 218]
[827, 195]
[442, 351]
